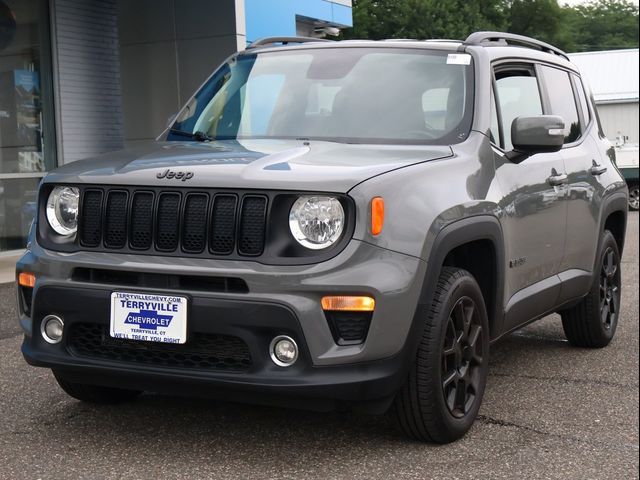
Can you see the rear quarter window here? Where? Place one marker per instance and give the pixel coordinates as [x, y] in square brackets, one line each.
[584, 105]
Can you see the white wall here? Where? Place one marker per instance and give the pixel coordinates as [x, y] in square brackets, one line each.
[620, 119]
[167, 49]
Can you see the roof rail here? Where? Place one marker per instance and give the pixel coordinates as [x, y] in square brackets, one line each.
[502, 38]
[442, 40]
[284, 40]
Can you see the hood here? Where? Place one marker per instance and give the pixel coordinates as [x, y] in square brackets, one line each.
[246, 164]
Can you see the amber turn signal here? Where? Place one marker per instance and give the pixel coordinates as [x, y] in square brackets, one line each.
[377, 215]
[348, 304]
[26, 279]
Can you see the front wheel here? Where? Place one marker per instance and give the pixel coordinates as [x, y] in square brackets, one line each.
[441, 397]
[592, 323]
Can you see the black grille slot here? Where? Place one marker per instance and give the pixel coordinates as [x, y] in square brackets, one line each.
[115, 228]
[160, 280]
[194, 223]
[252, 225]
[201, 352]
[141, 220]
[223, 224]
[168, 222]
[91, 218]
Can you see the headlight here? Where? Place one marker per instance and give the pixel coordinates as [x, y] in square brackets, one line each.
[62, 210]
[316, 222]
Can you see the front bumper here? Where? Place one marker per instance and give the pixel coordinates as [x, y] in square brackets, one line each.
[280, 300]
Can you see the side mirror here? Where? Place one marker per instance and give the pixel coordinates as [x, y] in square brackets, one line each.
[535, 134]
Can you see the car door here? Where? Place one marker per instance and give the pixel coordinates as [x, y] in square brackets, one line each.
[565, 97]
[533, 205]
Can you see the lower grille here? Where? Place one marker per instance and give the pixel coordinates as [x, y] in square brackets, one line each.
[349, 328]
[203, 351]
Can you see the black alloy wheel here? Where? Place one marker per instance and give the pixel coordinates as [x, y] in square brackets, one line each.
[609, 289]
[593, 321]
[462, 357]
[443, 391]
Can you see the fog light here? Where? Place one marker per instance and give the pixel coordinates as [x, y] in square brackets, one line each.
[284, 351]
[51, 329]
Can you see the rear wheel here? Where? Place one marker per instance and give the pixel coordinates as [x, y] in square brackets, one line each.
[95, 393]
[592, 323]
[441, 397]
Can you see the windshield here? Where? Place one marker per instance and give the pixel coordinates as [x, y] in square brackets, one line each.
[350, 95]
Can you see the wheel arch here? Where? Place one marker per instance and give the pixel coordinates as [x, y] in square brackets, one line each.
[475, 244]
[613, 217]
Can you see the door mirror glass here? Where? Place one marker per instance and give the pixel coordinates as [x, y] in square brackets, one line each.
[536, 134]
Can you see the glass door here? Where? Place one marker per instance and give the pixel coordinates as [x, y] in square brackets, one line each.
[27, 132]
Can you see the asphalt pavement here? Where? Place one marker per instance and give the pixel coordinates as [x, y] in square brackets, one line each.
[550, 411]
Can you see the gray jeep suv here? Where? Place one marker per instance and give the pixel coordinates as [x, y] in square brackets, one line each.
[334, 225]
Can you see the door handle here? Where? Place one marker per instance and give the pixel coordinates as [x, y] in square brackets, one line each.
[597, 169]
[557, 179]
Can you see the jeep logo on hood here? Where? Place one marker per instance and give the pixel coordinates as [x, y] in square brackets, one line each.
[184, 176]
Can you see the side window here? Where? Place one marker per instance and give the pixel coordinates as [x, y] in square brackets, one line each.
[518, 95]
[562, 101]
[582, 98]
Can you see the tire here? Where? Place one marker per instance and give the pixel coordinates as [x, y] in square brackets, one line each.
[435, 405]
[634, 197]
[95, 393]
[592, 323]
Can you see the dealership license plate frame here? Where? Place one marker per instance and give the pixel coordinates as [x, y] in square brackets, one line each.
[129, 321]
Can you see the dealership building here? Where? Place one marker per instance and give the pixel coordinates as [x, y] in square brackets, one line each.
[83, 77]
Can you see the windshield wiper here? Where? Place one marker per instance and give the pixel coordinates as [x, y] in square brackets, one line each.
[197, 136]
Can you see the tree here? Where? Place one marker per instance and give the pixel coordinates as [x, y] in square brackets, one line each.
[605, 25]
[601, 24]
[420, 19]
[535, 18]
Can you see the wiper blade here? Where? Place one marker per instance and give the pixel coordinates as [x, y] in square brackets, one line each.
[198, 136]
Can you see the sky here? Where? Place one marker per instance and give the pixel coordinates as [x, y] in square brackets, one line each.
[578, 2]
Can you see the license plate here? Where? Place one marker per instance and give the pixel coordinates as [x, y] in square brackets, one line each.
[148, 318]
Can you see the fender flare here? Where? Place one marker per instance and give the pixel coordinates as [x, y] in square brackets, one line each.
[616, 202]
[480, 227]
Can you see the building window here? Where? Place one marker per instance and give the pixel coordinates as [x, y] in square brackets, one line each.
[27, 135]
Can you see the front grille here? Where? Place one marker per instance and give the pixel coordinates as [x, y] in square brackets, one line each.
[203, 351]
[156, 221]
